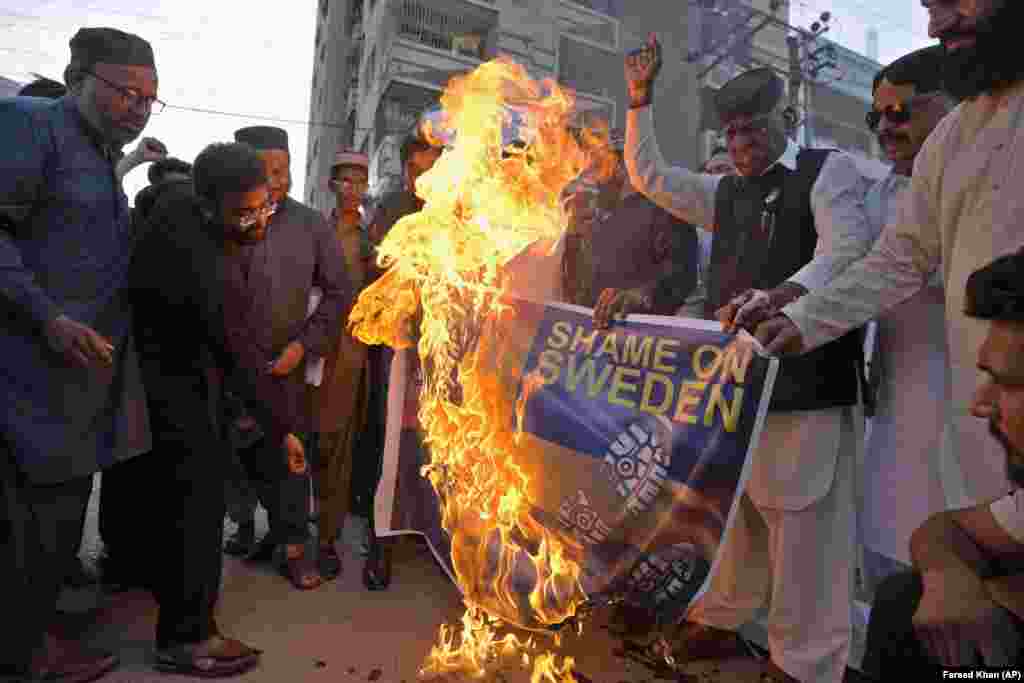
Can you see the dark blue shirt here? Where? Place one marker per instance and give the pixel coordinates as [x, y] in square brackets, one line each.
[64, 249]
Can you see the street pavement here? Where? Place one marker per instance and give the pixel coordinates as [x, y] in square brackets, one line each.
[340, 633]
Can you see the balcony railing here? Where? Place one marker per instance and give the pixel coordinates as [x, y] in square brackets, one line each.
[440, 30]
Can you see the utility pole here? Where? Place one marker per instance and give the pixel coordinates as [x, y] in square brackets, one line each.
[806, 61]
[796, 84]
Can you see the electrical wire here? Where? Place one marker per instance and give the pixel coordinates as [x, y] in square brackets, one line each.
[258, 117]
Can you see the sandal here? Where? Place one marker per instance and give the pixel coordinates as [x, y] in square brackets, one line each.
[263, 552]
[302, 572]
[329, 562]
[377, 570]
[214, 658]
[243, 542]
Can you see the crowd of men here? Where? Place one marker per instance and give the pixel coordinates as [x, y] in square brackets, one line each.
[194, 349]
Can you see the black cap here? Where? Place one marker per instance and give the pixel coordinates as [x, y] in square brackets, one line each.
[753, 92]
[263, 137]
[996, 292]
[91, 46]
[921, 69]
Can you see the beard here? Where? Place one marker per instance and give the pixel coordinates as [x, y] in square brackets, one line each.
[1014, 456]
[994, 61]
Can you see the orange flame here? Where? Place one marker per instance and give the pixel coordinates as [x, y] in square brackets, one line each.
[484, 204]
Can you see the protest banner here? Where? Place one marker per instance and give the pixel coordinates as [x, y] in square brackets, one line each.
[635, 440]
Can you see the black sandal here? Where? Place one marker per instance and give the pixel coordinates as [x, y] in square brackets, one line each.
[243, 542]
[330, 562]
[302, 572]
[377, 571]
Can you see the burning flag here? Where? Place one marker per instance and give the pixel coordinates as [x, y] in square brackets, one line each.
[566, 463]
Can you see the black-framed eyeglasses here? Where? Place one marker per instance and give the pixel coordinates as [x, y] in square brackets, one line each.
[895, 115]
[132, 97]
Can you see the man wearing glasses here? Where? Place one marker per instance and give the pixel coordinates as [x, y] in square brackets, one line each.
[788, 223]
[902, 474]
[71, 397]
[180, 286]
[271, 284]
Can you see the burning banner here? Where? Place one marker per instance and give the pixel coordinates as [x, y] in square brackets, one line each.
[555, 464]
[634, 444]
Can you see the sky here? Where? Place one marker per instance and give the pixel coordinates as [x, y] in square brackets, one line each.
[209, 55]
[258, 61]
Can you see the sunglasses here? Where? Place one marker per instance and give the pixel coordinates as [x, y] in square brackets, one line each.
[895, 115]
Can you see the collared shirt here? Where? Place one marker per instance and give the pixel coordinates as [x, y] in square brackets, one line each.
[68, 253]
[837, 198]
[964, 209]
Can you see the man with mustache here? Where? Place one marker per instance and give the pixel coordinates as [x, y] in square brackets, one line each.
[901, 472]
[71, 396]
[965, 206]
[270, 330]
[340, 402]
[962, 604]
[788, 223]
[177, 286]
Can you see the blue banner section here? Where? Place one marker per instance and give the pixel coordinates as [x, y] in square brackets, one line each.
[600, 382]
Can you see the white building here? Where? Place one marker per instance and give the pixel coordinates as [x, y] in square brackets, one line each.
[9, 88]
[381, 62]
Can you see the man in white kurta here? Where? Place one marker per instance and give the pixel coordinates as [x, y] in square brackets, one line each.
[792, 543]
[964, 208]
[901, 474]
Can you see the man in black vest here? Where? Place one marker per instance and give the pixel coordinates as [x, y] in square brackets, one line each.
[789, 222]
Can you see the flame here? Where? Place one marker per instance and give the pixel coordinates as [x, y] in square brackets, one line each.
[484, 204]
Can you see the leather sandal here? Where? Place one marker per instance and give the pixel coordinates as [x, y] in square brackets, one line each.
[302, 572]
[377, 570]
[329, 562]
[216, 657]
[263, 552]
[243, 542]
